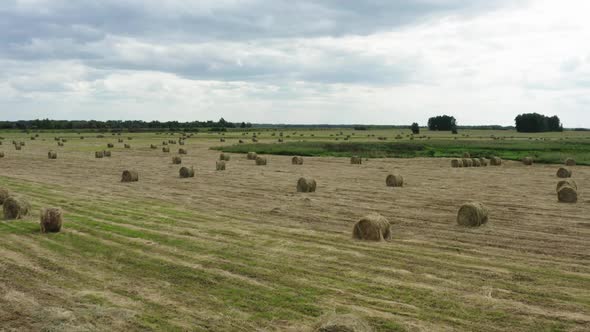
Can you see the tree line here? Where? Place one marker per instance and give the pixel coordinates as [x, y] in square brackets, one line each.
[47, 124]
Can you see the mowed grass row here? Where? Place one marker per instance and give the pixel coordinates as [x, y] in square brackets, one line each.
[244, 274]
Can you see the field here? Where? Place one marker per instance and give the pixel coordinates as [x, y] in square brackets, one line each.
[241, 250]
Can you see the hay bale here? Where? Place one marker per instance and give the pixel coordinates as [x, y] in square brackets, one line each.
[180, 142]
[1, 154]
[176, 160]
[342, 323]
[52, 155]
[569, 182]
[570, 162]
[166, 149]
[467, 162]
[106, 153]
[240, 141]
[60, 144]
[476, 162]
[456, 163]
[472, 214]
[120, 140]
[110, 145]
[127, 146]
[297, 161]
[252, 155]
[15, 208]
[99, 154]
[17, 147]
[483, 162]
[164, 143]
[527, 161]
[152, 146]
[181, 151]
[220, 165]
[495, 161]
[373, 227]
[466, 155]
[224, 157]
[51, 220]
[222, 139]
[394, 180]
[306, 185]
[130, 176]
[3, 195]
[186, 172]
[565, 194]
[260, 161]
[564, 173]
[355, 160]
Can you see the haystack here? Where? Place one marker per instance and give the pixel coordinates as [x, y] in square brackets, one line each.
[186, 172]
[3, 195]
[466, 155]
[106, 153]
[224, 157]
[99, 154]
[260, 161]
[127, 146]
[342, 323]
[176, 160]
[152, 146]
[306, 185]
[564, 173]
[52, 155]
[297, 161]
[472, 214]
[222, 140]
[15, 208]
[476, 162]
[220, 165]
[252, 155]
[1, 154]
[483, 162]
[17, 147]
[495, 161]
[568, 182]
[130, 176]
[355, 160]
[467, 162]
[120, 140]
[394, 180]
[110, 145]
[60, 144]
[373, 227]
[51, 220]
[570, 162]
[455, 163]
[181, 151]
[164, 143]
[565, 194]
[166, 149]
[527, 161]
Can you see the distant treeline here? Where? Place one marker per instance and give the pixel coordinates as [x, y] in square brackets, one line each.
[536, 123]
[115, 125]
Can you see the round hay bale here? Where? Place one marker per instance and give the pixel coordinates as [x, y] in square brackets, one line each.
[99, 154]
[3, 195]
[127, 146]
[15, 208]
[373, 227]
[1, 154]
[240, 141]
[164, 143]
[181, 151]
[129, 176]
[394, 180]
[568, 182]
[176, 160]
[342, 323]
[222, 140]
[565, 194]
[120, 140]
[110, 145]
[472, 214]
[297, 160]
[52, 155]
[180, 142]
[106, 153]
[467, 162]
[483, 162]
[186, 172]
[476, 162]
[456, 163]
[17, 147]
[495, 161]
[152, 146]
[570, 162]
[60, 144]
[306, 185]
[220, 165]
[252, 155]
[224, 157]
[355, 160]
[527, 161]
[51, 220]
[564, 173]
[466, 155]
[260, 161]
[166, 149]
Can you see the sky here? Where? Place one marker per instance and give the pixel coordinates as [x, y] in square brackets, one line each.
[297, 61]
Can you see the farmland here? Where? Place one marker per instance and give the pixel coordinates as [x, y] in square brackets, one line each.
[241, 250]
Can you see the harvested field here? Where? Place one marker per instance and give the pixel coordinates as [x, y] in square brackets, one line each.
[240, 250]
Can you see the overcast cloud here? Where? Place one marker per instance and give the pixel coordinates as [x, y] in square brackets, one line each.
[331, 61]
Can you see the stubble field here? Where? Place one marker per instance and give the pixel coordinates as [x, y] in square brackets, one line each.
[241, 250]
